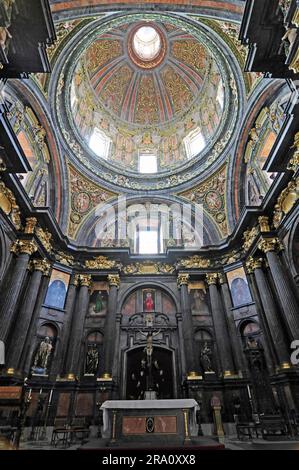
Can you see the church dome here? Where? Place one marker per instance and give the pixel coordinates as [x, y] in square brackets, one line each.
[147, 96]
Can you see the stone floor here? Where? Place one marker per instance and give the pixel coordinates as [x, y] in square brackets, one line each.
[230, 443]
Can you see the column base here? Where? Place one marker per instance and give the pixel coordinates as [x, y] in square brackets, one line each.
[106, 377]
[194, 376]
[67, 378]
[11, 372]
[228, 374]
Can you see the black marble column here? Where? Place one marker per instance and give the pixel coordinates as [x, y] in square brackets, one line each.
[30, 344]
[110, 326]
[22, 324]
[232, 330]
[265, 332]
[24, 249]
[220, 326]
[68, 316]
[187, 325]
[77, 326]
[272, 317]
[283, 286]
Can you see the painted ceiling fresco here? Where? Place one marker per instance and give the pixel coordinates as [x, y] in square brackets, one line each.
[135, 103]
[142, 106]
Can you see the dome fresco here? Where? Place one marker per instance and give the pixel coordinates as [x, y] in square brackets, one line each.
[143, 103]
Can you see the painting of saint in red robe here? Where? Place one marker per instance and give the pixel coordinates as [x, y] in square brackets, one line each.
[149, 300]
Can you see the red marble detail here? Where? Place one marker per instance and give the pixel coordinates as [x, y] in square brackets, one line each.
[133, 425]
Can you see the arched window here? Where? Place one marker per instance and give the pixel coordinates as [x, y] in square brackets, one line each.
[250, 329]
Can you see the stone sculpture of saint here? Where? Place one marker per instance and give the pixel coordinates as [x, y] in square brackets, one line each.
[43, 353]
[92, 361]
[205, 360]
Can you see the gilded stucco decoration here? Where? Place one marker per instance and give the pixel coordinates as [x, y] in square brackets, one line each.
[84, 197]
[230, 31]
[9, 205]
[286, 201]
[211, 194]
[102, 263]
[194, 262]
[148, 267]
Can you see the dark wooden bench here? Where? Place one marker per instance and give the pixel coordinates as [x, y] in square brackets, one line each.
[273, 426]
[248, 430]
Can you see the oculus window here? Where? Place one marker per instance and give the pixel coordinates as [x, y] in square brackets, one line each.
[146, 43]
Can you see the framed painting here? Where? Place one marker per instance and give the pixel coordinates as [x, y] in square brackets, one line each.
[239, 288]
[198, 298]
[149, 300]
[98, 299]
[57, 289]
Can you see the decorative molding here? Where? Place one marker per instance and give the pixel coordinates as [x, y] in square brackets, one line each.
[194, 262]
[253, 263]
[264, 224]
[41, 265]
[294, 162]
[84, 196]
[2, 165]
[249, 237]
[211, 194]
[103, 263]
[222, 278]
[148, 267]
[44, 237]
[212, 278]
[270, 244]
[9, 205]
[30, 225]
[114, 280]
[286, 201]
[23, 247]
[64, 258]
[84, 280]
[182, 280]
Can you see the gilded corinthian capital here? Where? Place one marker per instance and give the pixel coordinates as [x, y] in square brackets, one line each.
[212, 278]
[253, 263]
[114, 280]
[183, 280]
[270, 244]
[84, 280]
[27, 247]
[41, 265]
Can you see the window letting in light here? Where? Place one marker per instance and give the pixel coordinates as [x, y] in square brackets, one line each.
[220, 95]
[147, 43]
[148, 242]
[194, 143]
[99, 144]
[148, 163]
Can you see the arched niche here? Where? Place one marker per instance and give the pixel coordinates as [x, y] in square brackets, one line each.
[145, 297]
